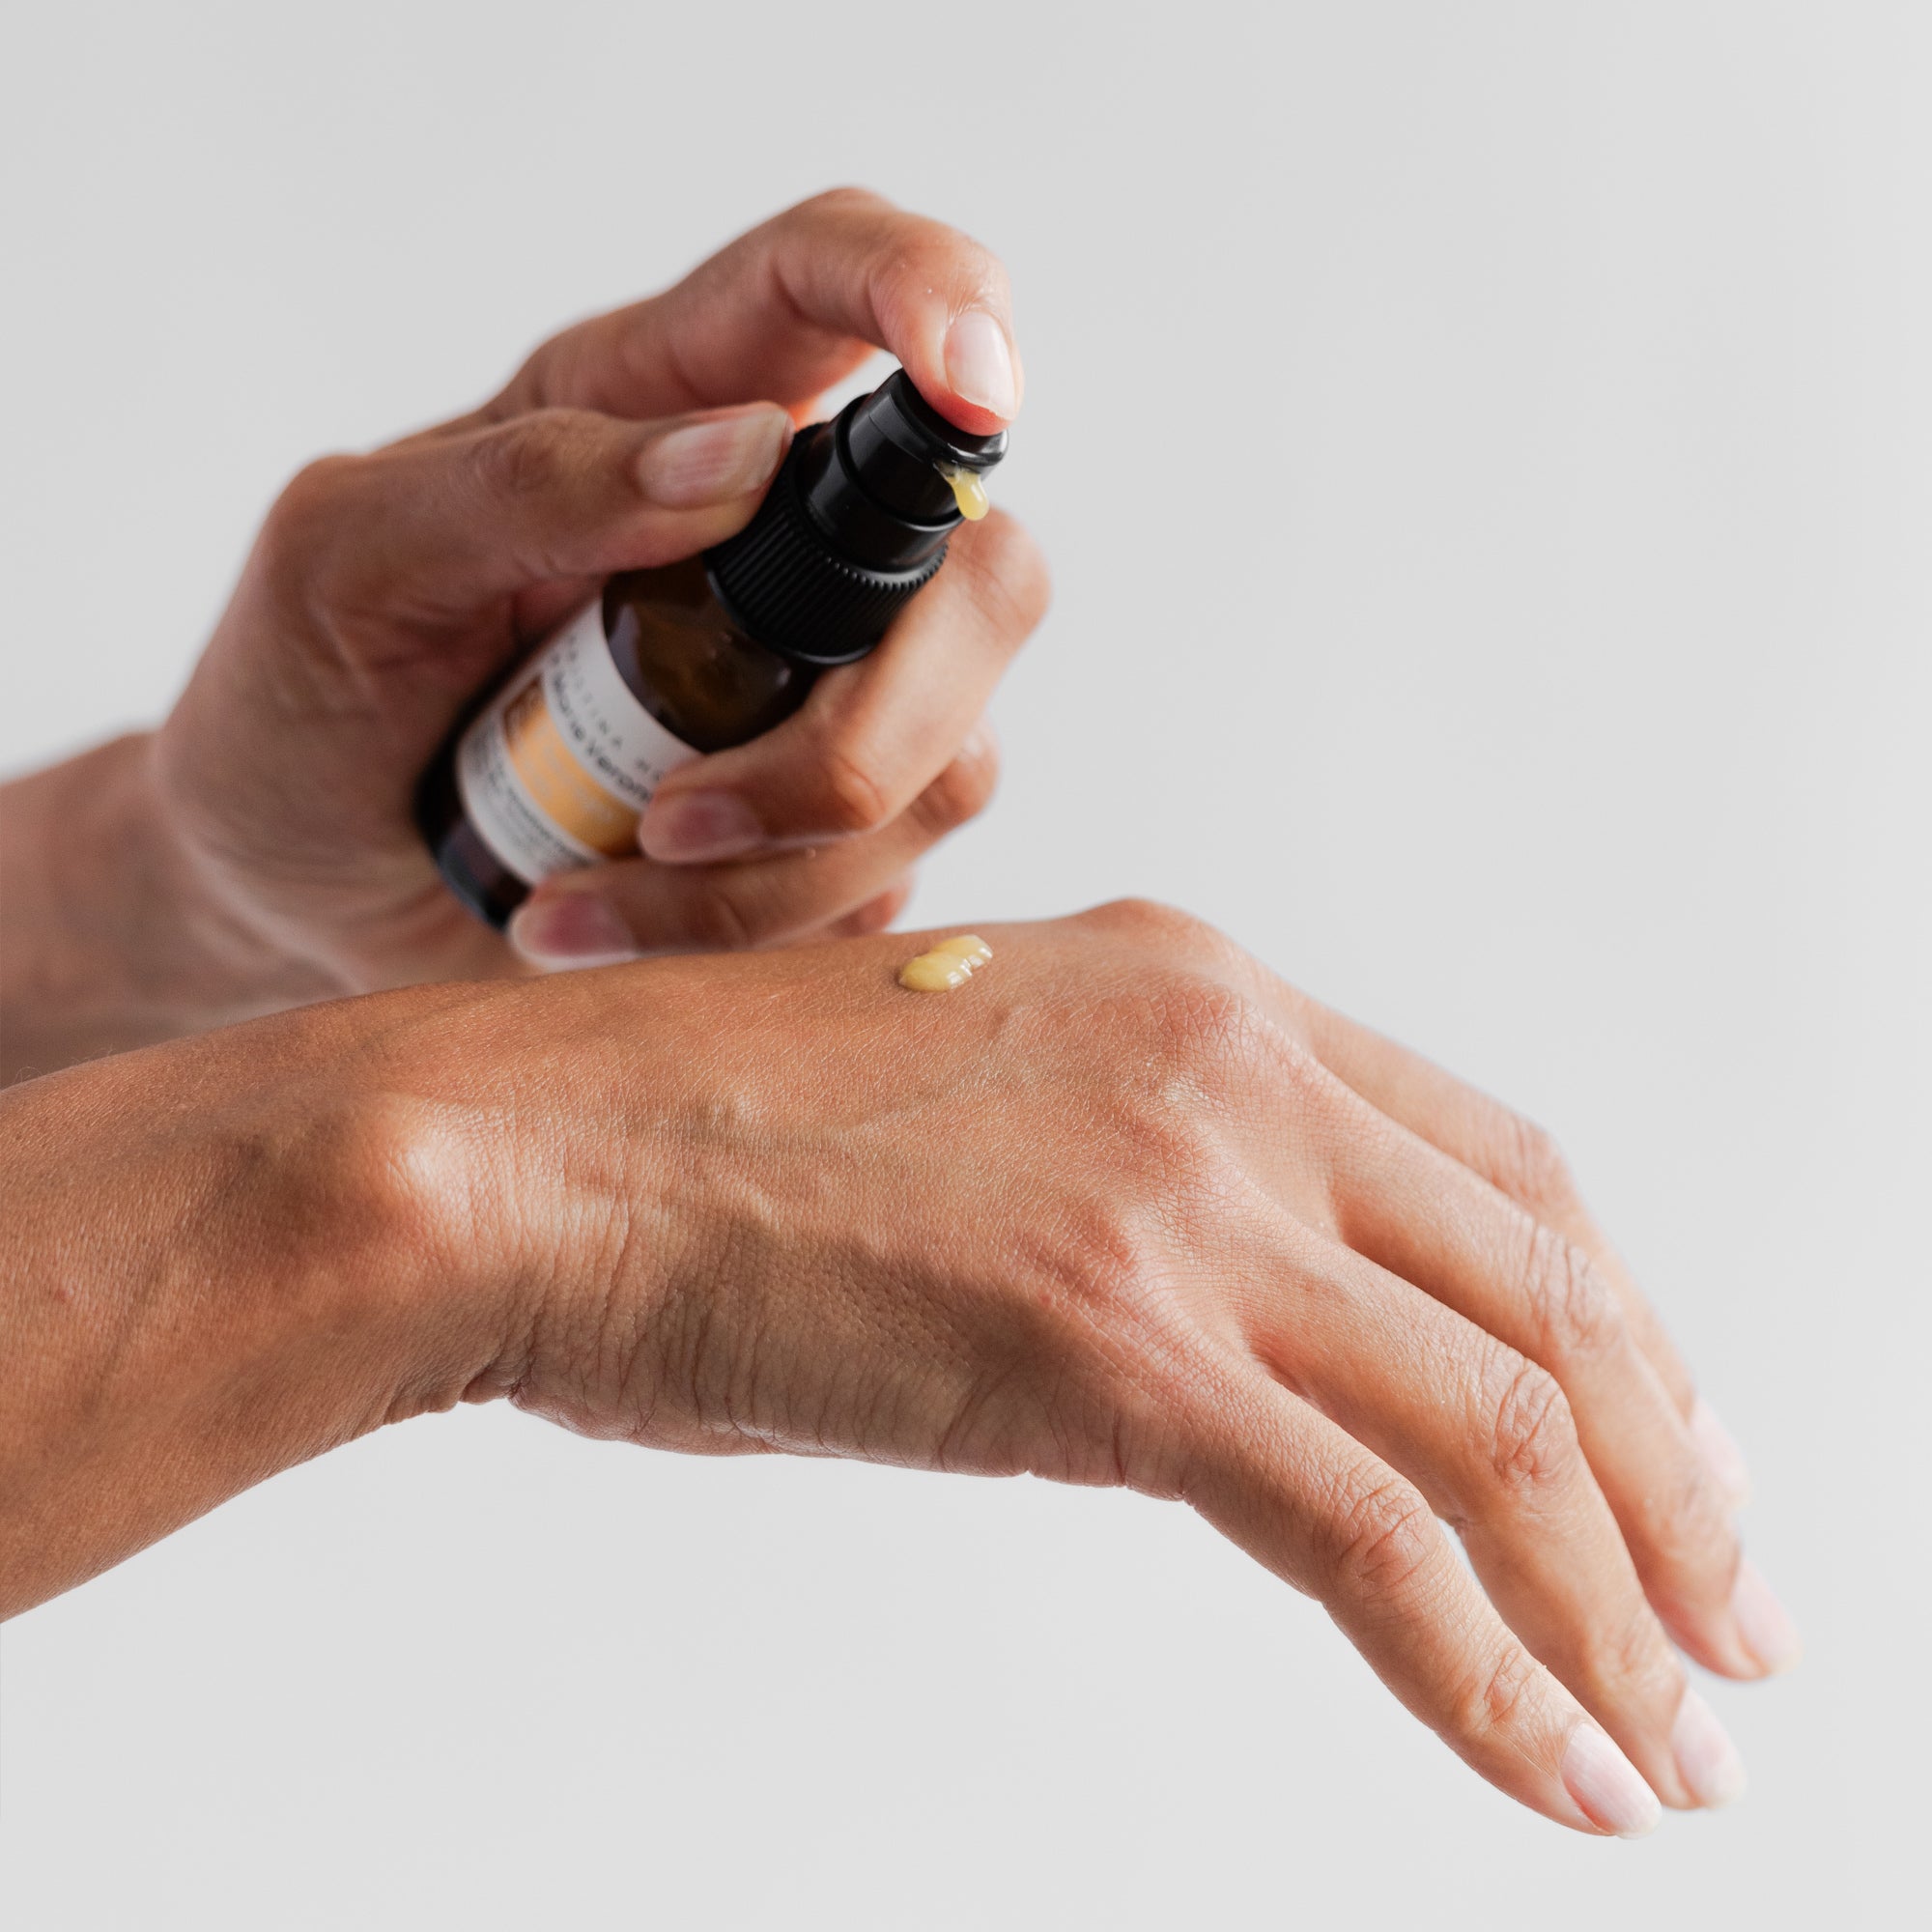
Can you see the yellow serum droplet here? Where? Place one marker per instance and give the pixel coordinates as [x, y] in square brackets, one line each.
[969, 491]
[948, 965]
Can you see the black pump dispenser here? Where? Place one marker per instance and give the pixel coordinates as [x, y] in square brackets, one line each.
[557, 766]
[855, 522]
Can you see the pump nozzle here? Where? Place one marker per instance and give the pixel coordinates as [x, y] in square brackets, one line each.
[856, 520]
[905, 454]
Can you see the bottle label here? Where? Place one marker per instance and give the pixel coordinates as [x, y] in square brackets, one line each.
[557, 771]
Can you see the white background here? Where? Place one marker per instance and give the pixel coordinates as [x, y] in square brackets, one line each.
[1484, 451]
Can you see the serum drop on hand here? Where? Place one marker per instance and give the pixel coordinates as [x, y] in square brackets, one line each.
[556, 768]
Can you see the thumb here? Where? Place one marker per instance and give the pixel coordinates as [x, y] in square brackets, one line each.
[554, 494]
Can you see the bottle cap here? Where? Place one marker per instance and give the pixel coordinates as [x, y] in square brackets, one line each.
[855, 522]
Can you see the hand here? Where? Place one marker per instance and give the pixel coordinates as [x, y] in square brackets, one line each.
[387, 590]
[1127, 1209]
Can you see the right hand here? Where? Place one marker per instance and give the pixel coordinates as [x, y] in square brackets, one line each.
[387, 590]
[1128, 1210]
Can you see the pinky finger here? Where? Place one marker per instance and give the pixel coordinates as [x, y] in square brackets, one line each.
[1310, 1503]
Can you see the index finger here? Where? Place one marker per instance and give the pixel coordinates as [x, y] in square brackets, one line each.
[790, 308]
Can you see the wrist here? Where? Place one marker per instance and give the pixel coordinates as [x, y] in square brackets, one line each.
[112, 938]
[549, 1130]
[245, 1249]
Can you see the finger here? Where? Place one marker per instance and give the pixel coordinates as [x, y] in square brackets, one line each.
[1488, 1437]
[1508, 1151]
[1423, 1215]
[637, 907]
[875, 915]
[1314, 1507]
[873, 735]
[560, 493]
[792, 307]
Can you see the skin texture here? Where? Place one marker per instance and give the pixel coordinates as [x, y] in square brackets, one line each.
[1126, 1210]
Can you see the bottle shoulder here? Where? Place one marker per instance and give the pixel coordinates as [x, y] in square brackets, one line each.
[689, 665]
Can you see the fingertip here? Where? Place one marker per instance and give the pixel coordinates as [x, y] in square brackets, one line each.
[558, 931]
[714, 459]
[694, 827]
[1762, 1622]
[982, 373]
[1707, 1760]
[1744, 1634]
[1606, 1787]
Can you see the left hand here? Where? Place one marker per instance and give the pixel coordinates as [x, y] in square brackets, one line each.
[1128, 1210]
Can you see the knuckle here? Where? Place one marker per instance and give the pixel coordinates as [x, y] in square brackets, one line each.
[718, 921]
[1494, 1699]
[297, 530]
[526, 456]
[1183, 1168]
[907, 258]
[961, 791]
[849, 199]
[1108, 1257]
[1575, 1311]
[854, 798]
[1206, 1032]
[1691, 1531]
[1530, 1434]
[900, 244]
[315, 488]
[1113, 1273]
[1629, 1653]
[1205, 1021]
[1381, 1539]
[1165, 928]
[1530, 1167]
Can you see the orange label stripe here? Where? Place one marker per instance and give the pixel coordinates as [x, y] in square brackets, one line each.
[561, 788]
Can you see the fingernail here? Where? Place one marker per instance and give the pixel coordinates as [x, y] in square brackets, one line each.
[980, 363]
[1768, 1631]
[696, 826]
[1606, 1785]
[1720, 1451]
[714, 461]
[570, 929]
[1707, 1760]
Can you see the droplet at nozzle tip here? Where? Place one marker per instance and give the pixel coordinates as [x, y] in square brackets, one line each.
[969, 490]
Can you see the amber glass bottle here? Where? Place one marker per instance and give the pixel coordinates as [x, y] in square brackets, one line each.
[557, 766]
